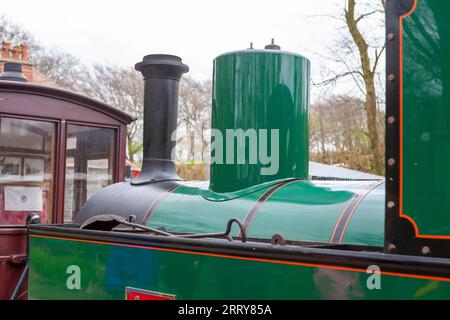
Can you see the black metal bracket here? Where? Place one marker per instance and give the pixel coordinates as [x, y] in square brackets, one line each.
[225, 234]
[108, 222]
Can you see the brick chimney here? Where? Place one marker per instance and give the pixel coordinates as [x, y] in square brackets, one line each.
[5, 49]
[18, 54]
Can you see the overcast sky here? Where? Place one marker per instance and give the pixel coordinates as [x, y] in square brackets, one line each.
[122, 32]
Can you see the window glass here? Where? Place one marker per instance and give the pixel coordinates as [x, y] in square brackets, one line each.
[26, 169]
[89, 165]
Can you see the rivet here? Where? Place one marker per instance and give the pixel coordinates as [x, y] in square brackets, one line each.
[426, 250]
[391, 162]
[392, 247]
[391, 36]
[391, 204]
[391, 120]
[391, 77]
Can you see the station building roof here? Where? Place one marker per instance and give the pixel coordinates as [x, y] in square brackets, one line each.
[326, 171]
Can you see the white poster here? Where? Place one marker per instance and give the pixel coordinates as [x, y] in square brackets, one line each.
[34, 170]
[23, 199]
[10, 169]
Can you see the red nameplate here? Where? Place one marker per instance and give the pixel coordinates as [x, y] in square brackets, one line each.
[141, 294]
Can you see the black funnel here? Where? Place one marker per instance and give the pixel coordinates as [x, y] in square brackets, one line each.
[13, 72]
[162, 74]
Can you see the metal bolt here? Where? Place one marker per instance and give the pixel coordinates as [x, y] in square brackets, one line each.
[277, 239]
[392, 247]
[391, 36]
[426, 250]
[391, 120]
[391, 162]
[391, 204]
[391, 77]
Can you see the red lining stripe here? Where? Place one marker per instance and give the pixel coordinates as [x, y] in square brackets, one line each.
[341, 216]
[348, 212]
[157, 201]
[356, 207]
[253, 211]
[302, 264]
[401, 213]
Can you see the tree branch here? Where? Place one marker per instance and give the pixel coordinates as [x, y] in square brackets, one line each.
[377, 58]
[366, 15]
[337, 77]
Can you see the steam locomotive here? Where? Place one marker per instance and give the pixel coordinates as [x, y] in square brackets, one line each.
[262, 229]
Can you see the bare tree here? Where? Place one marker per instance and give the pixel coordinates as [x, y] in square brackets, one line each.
[358, 53]
[122, 88]
[368, 74]
[56, 65]
[60, 67]
[339, 133]
[16, 33]
[194, 115]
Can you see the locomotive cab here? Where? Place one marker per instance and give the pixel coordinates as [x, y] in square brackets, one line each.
[57, 148]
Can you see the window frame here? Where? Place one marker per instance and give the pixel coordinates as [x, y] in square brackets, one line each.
[57, 125]
[116, 172]
[35, 102]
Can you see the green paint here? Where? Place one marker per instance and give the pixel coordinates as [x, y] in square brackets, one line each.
[210, 195]
[301, 210]
[309, 210]
[426, 117]
[261, 89]
[364, 226]
[104, 275]
[186, 210]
